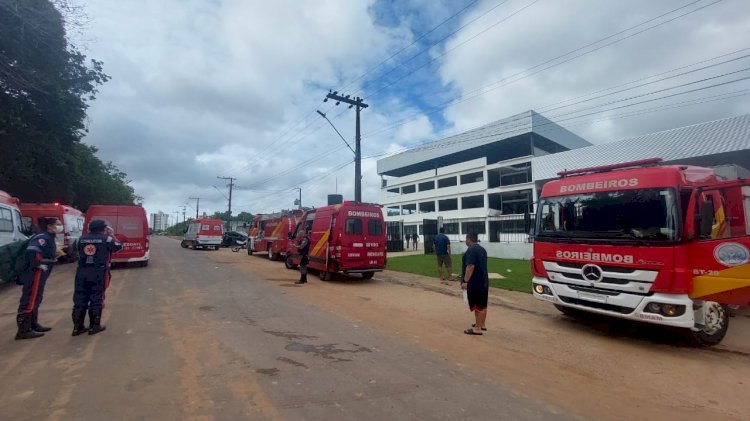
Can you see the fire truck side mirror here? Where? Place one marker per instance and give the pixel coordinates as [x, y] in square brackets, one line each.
[706, 220]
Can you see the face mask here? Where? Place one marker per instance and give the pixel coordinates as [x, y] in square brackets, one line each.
[59, 229]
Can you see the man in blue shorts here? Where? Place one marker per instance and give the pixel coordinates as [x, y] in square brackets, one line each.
[443, 252]
[475, 280]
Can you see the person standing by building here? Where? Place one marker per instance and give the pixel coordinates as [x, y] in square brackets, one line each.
[407, 236]
[475, 280]
[443, 252]
[41, 255]
[92, 277]
[415, 240]
[303, 248]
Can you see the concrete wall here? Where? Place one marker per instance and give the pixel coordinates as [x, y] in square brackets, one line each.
[521, 251]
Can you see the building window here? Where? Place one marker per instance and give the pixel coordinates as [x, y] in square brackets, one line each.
[393, 211]
[472, 177]
[421, 229]
[408, 189]
[508, 176]
[472, 202]
[393, 192]
[451, 228]
[477, 227]
[409, 209]
[448, 204]
[427, 207]
[447, 182]
[509, 203]
[427, 185]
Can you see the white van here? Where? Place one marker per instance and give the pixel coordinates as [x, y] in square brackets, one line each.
[11, 224]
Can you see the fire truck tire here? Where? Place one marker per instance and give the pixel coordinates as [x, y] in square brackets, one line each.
[289, 263]
[249, 251]
[183, 244]
[325, 275]
[368, 275]
[271, 254]
[717, 324]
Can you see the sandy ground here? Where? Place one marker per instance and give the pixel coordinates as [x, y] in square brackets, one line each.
[599, 368]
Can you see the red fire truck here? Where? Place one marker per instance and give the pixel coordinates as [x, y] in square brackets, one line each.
[270, 233]
[348, 238]
[661, 244]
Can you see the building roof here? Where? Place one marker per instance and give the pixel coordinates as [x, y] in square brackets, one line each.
[480, 141]
[719, 142]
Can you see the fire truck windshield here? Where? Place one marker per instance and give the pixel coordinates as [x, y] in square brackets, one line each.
[640, 216]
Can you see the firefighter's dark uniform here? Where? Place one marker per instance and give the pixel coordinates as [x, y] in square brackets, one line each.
[92, 278]
[304, 251]
[40, 258]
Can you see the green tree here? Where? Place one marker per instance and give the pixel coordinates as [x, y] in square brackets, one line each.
[45, 86]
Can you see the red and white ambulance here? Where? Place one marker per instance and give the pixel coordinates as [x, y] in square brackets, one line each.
[72, 219]
[347, 238]
[130, 227]
[660, 244]
[12, 226]
[204, 233]
[270, 233]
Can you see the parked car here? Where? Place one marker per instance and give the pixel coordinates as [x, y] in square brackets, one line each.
[231, 236]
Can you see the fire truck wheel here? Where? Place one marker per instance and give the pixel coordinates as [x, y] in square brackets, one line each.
[325, 275]
[368, 275]
[289, 263]
[715, 328]
[249, 251]
[183, 244]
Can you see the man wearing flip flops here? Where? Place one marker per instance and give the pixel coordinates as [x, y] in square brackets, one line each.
[475, 281]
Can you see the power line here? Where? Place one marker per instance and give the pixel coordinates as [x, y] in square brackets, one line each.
[498, 84]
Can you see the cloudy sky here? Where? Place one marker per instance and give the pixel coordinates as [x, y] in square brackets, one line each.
[230, 88]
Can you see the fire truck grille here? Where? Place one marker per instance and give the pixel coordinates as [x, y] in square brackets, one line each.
[615, 269]
[601, 306]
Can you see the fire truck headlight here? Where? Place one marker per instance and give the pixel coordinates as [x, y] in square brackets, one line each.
[541, 289]
[668, 310]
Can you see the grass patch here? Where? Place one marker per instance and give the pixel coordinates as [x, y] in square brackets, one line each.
[518, 279]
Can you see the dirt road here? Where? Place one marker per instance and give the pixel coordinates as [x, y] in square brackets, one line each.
[222, 335]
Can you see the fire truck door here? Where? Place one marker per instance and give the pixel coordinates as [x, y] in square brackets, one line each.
[721, 252]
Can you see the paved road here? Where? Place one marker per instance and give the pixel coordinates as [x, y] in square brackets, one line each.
[190, 337]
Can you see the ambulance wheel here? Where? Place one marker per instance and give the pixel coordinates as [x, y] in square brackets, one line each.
[368, 275]
[289, 263]
[325, 275]
[183, 244]
[715, 327]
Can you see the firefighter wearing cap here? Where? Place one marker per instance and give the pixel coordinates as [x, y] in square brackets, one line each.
[92, 277]
[40, 257]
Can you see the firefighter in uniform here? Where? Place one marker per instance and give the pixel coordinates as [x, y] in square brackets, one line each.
[92, 277]
[41, 254]
[303, 248]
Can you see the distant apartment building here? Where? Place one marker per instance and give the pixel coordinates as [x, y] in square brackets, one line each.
[159, 221]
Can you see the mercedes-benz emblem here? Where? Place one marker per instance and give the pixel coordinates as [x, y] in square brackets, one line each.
[592, 273]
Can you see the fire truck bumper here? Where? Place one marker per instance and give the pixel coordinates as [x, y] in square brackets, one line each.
[664, 309]
[143, 258]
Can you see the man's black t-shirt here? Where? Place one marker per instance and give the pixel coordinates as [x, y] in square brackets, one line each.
[476, 255]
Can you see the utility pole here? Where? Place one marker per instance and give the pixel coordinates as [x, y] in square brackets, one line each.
[231, 186]
[354, 102]
[298, 202]
[183, 213]
[197, 204]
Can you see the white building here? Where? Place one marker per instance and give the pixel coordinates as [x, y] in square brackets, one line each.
[159, 221]
[486, 179]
